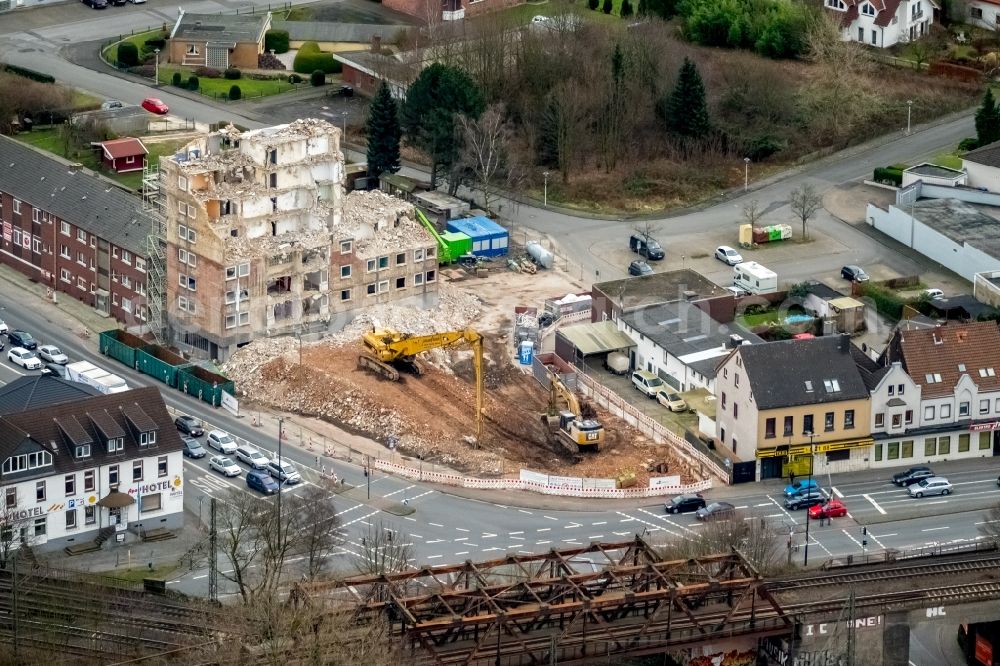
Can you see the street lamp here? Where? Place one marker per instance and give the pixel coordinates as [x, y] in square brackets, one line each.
[746, 174]
[545, 200]
[909, 114]
[805, 558]
[344, 114]
[156, 68]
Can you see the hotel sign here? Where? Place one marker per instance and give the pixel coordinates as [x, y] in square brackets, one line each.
[983, 427]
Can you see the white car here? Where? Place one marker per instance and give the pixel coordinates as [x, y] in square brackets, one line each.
[224, 465]
[934, 294]
[221, 441]
[3, 327]
[52, 354]
[728, 255]
[24, 358]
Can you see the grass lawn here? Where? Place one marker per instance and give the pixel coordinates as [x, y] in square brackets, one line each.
[139, 573]
[762, 319]
[524, 13]
[948, 159]
[82, 100]
[139, 39]
[219, 88]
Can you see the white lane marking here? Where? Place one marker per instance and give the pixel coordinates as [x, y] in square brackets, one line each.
[550, 518]
[436, 524]
[516, 537]
[461, 529]
[433, 541]
[462, 552]
[396, 492]
[415, 536]
[362, 519]
[986, 522]
[488, 535]
[527, 512]
[836, 492]
[874, 504]
[851, 537]
[600, 522]
[573, 526]
[541, 543]
[743, 506]
[434, 557]
[517, 532]
[935, 529]
[199, 577]
[763, 504]
[544, 529]
[462, 539]
[886, 536]
[490, 550]
[596, 536]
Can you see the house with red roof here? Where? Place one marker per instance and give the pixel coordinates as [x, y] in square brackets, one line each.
[123, 155]
[883, 23]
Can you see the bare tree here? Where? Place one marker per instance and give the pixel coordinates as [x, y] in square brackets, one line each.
[486, 152]
[563, 119]
[805, 201]
[756, 539]
[316, 528]
[382, 551]
[240, 540]
[752, 213]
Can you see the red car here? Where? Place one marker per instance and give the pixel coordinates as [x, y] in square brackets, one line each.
[154, 105]
[832, 509]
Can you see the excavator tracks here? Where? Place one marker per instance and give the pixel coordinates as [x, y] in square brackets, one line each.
[372, 364]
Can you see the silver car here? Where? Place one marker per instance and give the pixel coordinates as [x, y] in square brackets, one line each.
[221, 441]
[224, 465]
[934, 485]
[52, 354]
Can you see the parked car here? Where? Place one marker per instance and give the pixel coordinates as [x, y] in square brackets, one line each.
[193, 448]
[109, 104]
[52, 354]
[96, 4]
[854, 274]
[833, 508]
[715, 511]
[934, 294]
[154, 105]
[912, 475]
[54, 369]
[24, 358]
[262, 482]
[934, 485]
[224, 465]
[251, 456]
[728, 255]
[671, 401]
[189, 425]
[646, 246]
[799, 486]
[684, 503]
[647, 383]
[639, 268]
[3, 327]
[283, 472]
[22, 339]
[805, 499]
[221, 441]
[138, 2]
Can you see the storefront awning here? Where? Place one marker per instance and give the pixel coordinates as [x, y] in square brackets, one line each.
[795, 450]
[116, 500]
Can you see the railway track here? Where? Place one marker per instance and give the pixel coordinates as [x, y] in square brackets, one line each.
[916, 570]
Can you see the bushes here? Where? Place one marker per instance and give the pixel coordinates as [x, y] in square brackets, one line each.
[771, 28]
[276, 40]
[607, 6]
[128, 54]
[886, 302]
[268, 61]
[193, 83]
[310, 58]
[176, 79]
[158, 43]
[28, 73]
[233, 74]
[970, 143]
[889, 176]
[593, 4]
[761, 147]
[235, 93]
[317, 78]
[207, 72]
[294, 78]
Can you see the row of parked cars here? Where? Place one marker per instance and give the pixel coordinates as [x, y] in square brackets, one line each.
[921, 480]
[264, 474]
[103, 4]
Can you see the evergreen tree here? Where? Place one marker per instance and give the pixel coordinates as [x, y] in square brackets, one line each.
[382, 130]
[684, 110]
[626, 9]
[988, 120]
[428, 114]
[608, 6]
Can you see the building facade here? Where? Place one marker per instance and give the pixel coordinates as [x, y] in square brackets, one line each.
[73, 231]
[219, 41]
[260, 240]
[78, 465]
[794, 404]
[882, 23]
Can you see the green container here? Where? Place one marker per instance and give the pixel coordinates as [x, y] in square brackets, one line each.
[774, 233]
[160, 364]
[121, 346]
[204, 385]
[457, 243]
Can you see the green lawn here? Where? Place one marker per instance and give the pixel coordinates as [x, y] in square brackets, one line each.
[139, 39]
[220, 87]
[523, 14]
[948, 159]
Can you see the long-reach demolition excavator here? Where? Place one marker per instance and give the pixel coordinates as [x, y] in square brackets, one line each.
[388, 349]
[577, 423]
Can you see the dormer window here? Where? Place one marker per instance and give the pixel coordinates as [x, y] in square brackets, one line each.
[867, 9]
[116, 445]
[83, 451]
[831, 385]
[147, 438]
[27, 461]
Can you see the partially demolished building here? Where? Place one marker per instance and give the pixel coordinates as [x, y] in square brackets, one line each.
[260, 239]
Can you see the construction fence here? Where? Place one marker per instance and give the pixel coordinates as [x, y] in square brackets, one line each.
[520, 237]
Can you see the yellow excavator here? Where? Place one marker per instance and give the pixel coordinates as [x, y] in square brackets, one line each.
[577, 423]
[388, 349]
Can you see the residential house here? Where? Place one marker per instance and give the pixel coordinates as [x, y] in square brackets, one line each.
[682, 344]
[613, 298]
[78, 465]
[123, 155]
[73, 231]
[935, 395]
[883, 23]
[845, 314]
[260, 240]
[219, 41]
[983, 13]
[791, 402]
[983, 167]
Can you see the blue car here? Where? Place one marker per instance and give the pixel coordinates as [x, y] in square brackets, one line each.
[261, 482]
[800, 486]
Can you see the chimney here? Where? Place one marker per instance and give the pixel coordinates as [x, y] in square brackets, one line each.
[690, 295]
[75, 167]
[376, 43]
[735, 341]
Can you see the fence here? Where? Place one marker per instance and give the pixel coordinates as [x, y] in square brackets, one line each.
[614, 403]
[520, 236]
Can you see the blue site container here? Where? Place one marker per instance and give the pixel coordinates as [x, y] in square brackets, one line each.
[489, 239]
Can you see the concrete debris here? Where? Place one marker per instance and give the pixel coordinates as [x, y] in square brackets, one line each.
[380, 224]
[241, 247]
[455, 311]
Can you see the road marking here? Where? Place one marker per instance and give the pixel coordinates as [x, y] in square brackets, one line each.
[527, 512]
[935, 529]
[434, 541]
[417, 536]
[516, 537]
[463, 552]
[517, 532]
[412, 520]
[488, 535]
[573, 526]
[436, 524]
[434, 557]
[874, 504]
[764, 504]
[199, 577]
[462, 539]
[986, 522]
[541, 543]
[743, 506]
[596, 536]
[886, 536]
[461, 529]
[490, 550]
[544, 529]
[550, 517]
[836, 492]
[602, 522]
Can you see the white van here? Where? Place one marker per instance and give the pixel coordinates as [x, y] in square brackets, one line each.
[648, 383]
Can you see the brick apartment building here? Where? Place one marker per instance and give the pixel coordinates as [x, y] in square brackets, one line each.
[73, 231]
[260, 240]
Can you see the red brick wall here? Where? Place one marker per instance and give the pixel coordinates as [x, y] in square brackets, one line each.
[128, 283]
[363, 84]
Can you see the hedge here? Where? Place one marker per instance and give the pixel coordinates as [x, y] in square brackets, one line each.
[152, 44]
[29, 74]
[886, 302]
[235, 93]
[176, 79]
[317, 78]
[232, 74]
[276, 40]
[310, 58]
[128, 54]
[889, 175]
[193, 83]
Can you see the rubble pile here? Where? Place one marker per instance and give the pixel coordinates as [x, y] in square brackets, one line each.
[241, 247]
[455, 311]
[382, 224]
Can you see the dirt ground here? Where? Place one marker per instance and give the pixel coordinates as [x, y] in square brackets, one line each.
[432, 416]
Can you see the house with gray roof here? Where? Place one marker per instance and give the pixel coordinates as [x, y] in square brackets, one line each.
[74, 231]
[219, 41]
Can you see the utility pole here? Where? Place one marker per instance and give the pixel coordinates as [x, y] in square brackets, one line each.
[13, 593]
[850, 629]
[213, 561]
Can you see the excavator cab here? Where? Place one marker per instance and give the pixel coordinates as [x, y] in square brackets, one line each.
[587, 434]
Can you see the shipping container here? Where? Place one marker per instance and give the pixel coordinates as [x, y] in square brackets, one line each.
[980, 643]
[160, 364]
[489, 239]
[121, 346]
[457, 244]
[203, 384]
